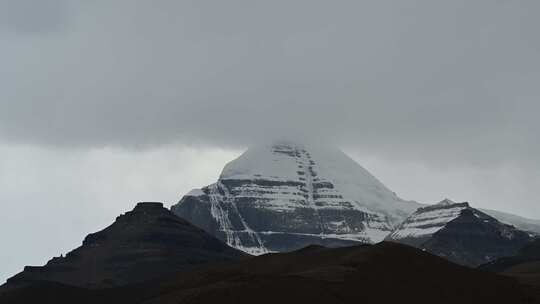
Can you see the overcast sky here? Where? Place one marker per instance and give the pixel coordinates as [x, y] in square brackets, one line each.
[107, 102]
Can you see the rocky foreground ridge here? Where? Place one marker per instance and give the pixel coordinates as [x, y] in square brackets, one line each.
[142, 244]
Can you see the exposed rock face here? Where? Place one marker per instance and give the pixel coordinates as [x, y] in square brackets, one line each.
[460, 233]
[286, 196]
[142, 244]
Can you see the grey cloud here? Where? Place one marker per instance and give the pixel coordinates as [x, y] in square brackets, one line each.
[32, 16]
[430, 80]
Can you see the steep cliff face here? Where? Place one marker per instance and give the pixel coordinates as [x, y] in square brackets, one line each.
[460, 234]
[285, 196]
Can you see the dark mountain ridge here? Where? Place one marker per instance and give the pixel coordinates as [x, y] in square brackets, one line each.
[142, 244]
[460, 233]
[381, 273]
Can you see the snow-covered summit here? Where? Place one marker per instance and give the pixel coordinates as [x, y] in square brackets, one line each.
[315, 165]
[285, 195]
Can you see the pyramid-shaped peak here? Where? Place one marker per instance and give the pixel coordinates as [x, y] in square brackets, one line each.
[287, 160]
[284, 195]
[314, 165]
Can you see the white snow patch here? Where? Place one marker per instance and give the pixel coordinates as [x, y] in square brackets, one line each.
[427, 222]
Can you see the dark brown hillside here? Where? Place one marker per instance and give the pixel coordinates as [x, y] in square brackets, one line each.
[382, 273]
[525, 266]
[142, 244]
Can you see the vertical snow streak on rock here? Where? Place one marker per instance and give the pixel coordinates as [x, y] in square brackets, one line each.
[260, 249]
[222, 217]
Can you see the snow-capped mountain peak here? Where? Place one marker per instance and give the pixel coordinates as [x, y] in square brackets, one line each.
[283, 196]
